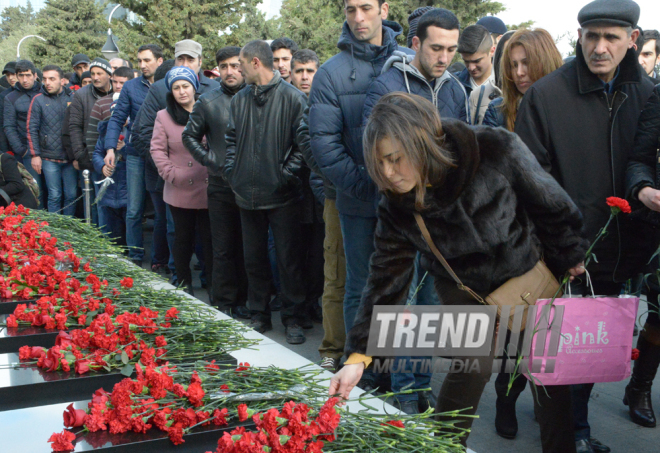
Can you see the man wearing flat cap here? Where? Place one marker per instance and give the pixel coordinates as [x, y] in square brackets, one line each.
[580, 123]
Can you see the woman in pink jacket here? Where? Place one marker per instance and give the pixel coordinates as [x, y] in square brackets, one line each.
[186, 180]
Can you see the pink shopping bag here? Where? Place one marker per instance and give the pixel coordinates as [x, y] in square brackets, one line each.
[594, 344]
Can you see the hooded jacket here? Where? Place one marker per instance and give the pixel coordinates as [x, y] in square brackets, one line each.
[263, 162]
[209, 119]
[15, 113]
[492, 218]
[79, 112]
[584, 139]
[398, 74]
[44, 126]
[335, 119]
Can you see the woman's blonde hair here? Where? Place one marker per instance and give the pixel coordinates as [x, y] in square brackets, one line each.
[414, 122]
[542, 58]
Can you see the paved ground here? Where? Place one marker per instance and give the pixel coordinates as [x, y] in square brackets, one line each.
[608, 417]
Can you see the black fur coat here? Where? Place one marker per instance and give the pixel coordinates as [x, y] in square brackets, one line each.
[493, 218]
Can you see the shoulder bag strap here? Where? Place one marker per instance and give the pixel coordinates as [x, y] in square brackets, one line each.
[443, 261]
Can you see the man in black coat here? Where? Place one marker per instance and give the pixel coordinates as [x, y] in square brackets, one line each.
[209, 119]
[262, 167]
[580, 122]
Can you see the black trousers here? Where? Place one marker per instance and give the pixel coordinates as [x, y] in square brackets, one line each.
[285, 224]
[229, 277]
[187, 223]
[313, 235]
[463, 390]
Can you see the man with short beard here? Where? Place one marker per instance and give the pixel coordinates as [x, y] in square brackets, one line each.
[649, 56]
[44, 129]
[209, 119]
[580, 123]
[133, 93]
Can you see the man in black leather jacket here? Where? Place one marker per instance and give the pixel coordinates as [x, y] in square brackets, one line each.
[209, 119]
[262, 166]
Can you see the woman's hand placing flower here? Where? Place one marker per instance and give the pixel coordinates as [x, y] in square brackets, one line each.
[577, 270]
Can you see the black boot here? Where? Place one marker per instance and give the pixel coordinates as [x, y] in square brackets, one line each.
[638, 391]
[188, 288]
[506, 423]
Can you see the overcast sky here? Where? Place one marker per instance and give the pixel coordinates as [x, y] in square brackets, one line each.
[556, 16]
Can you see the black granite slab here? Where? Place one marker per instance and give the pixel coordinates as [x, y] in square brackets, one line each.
[28, 385]
[12, 338]
[7, 306]
[28, 430]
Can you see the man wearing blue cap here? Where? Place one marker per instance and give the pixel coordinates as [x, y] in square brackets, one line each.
[580, 122]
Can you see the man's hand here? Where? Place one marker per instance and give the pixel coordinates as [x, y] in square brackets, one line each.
[75, 165]
[577, 270]
[345, 379]
[108, 171]
[650, 197]
[120, 144]
[110, 157]
[36, 164]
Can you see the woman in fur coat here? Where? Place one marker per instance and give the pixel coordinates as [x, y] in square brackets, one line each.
[491, 210]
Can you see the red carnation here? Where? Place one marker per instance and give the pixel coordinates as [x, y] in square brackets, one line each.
[635, 354]
[395, 423]
[74, 417]
[242, 412]
[618, 204]
[63, 339]
[82, 366]
[126, 282]
[121, 138]
[62, 441]
[11, 321]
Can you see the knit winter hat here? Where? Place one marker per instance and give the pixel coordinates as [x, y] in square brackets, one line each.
[101, 63]
[181, 73]
[412, 22]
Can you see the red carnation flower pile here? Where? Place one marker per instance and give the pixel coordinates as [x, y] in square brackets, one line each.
[290, 431]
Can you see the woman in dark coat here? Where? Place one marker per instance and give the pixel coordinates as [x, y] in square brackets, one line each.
[642, 186]
[11, 182]
[491, 210]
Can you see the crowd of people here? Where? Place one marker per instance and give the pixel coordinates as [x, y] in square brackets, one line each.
[296, 183]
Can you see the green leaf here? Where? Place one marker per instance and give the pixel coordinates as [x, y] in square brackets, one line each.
[127, 370]
[124, 357]
[118, 358]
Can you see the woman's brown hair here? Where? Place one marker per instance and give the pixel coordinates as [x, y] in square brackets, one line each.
[414, 122]
[542, 58]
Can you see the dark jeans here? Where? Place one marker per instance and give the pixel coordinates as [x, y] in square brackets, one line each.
[160, 254]
[463, 390]
[115, 223]
[229, 277]
[580, 393]
[285, 224]
[187, 223]
[312, 239]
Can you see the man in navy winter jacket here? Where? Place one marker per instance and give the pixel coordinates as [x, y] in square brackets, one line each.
[44, 134]
[15, 112]
[131, 98]
[335, 127]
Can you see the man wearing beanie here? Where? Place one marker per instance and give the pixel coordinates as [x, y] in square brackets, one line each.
[9, 77]
[186, 53]
[580, 122]
[413, 18]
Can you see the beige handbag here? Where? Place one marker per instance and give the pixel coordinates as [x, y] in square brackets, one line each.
[538, 283]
